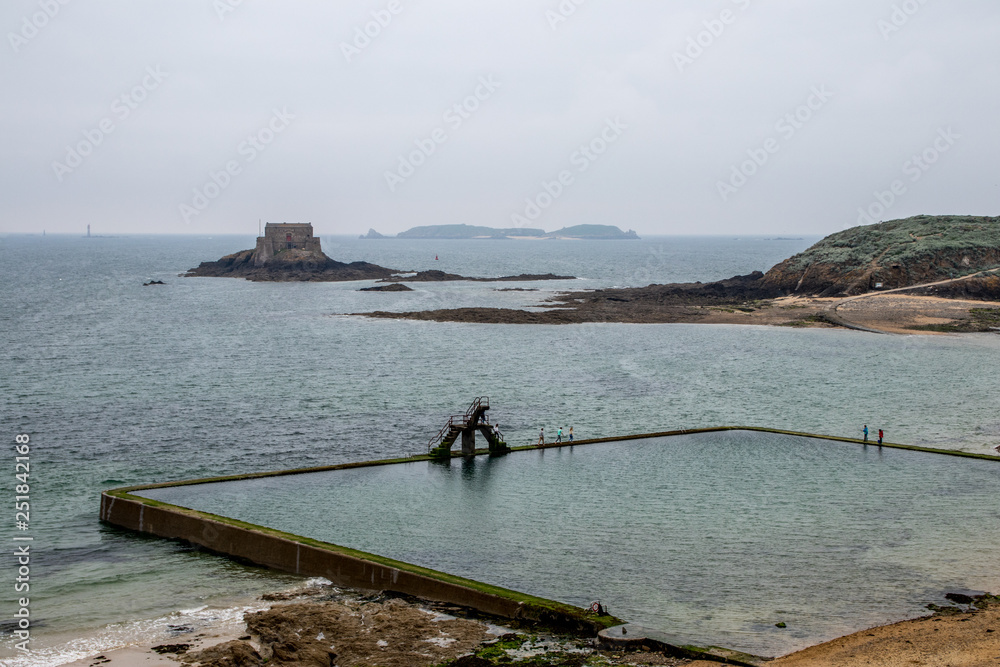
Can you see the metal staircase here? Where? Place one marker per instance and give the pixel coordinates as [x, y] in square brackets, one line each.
[475, 418]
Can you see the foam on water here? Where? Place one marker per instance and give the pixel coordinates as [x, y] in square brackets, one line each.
[171, 628]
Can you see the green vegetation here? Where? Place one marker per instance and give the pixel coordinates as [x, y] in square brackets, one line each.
[807, 321]
[908, 241]
[980, 320]
[498, 649]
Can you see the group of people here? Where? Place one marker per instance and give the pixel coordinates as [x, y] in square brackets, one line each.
[880, 434]
[559, 435]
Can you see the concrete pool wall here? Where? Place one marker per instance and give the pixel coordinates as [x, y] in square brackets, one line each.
[356, 569]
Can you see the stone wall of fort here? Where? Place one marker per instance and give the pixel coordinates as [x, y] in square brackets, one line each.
[279, 237]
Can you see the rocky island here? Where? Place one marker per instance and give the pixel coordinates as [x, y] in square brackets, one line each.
[885, 277]
[289, 252]
[576, 232]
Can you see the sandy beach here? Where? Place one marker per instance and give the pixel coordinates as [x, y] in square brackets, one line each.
[326, 626]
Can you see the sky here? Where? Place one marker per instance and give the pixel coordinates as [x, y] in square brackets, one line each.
[779, 117]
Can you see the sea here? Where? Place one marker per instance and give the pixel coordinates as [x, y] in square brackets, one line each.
[117, 383]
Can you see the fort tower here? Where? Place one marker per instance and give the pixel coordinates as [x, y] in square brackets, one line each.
[281, 237]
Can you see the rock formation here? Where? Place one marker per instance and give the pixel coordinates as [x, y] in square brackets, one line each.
[898, 253]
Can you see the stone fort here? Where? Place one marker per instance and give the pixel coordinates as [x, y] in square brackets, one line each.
[284, 236]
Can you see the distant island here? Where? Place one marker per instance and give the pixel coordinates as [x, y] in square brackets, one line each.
[590, 232]
[885, 277]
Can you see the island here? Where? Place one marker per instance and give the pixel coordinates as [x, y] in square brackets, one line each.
[577, 232]
[929, 274]
[468, 232]
[289, 252]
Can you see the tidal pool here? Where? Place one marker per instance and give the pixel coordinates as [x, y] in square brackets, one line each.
[713, 538]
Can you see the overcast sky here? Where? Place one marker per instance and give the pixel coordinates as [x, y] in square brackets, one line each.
[668, 117]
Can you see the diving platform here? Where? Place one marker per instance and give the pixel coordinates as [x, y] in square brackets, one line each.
[474, 419]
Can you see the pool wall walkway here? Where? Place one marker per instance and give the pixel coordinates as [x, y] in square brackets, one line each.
[347, 567]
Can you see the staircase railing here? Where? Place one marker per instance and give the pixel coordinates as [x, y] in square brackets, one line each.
[460, 421]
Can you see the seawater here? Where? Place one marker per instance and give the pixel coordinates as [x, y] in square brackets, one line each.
[712, 537]
[123, 384]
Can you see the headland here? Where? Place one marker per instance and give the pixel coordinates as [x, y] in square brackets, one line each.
[927, 274]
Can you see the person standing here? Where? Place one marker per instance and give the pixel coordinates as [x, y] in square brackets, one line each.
[559, 435]
[541, 437]
[880, 437]
[571, 434]
[865, 431]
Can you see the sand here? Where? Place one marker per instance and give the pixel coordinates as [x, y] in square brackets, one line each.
[324, 627]
[902, 313]
[887, 313]
[960, 640]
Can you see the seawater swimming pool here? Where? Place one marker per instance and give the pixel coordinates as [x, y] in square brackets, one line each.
[711, 537]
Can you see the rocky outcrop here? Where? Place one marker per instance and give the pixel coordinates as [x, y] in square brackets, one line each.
[290, 266]
[435, 276]
[312, 265]
[898, 253]
[391, 287]
[984, 287]
[677, 302]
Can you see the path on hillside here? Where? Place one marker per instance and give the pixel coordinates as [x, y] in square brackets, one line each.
[834, 317]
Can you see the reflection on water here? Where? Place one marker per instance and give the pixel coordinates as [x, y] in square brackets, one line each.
[713, 537]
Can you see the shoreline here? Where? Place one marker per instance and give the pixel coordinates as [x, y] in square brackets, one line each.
[309, 624]
[877, 313]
